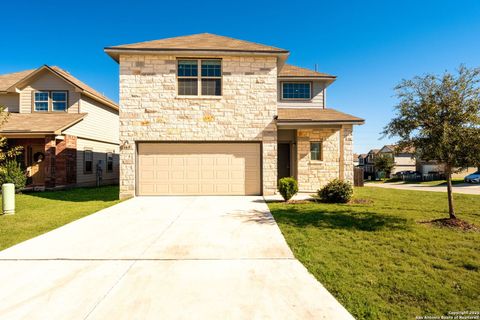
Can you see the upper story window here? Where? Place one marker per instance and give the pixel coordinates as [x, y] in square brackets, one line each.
[199, 77]
[59, 101]
[41, 101]
[45, 101]
[296, 90]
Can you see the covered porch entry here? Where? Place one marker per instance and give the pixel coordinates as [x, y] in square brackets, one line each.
[315, 146]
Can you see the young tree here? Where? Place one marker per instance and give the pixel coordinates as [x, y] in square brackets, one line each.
[384, 162]
[6, 152]
[440, 117]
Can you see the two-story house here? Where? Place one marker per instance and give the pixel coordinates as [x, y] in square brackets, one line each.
[66, 129]
[403, 159]
[207, 114]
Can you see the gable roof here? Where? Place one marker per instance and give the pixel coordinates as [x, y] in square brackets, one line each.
[196, 42]
[10, 79]
[290, 71]
[39, 123]
[8, 82]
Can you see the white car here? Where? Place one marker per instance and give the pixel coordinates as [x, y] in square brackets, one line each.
[473, 178]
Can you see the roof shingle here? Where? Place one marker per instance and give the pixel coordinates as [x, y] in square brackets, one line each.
[298, 114]
[200, 42]
[9, 79]
[288, 71]
[41, 123]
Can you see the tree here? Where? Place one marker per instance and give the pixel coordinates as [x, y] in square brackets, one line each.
[384, 162]
[439, 116]
[6, 152]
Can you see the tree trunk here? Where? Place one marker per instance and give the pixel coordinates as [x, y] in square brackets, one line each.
[451, 210]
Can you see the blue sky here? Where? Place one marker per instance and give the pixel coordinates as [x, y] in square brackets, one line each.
[369, 45]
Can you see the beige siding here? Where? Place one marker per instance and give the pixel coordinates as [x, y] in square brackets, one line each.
[318, 92]
[10, 101]
[48, 81]
[99, 153]
[404, 162]
[101, 123]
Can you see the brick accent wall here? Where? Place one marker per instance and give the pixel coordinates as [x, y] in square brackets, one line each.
[337, 160]
[65, 161]
[49, 165]
[150, 110]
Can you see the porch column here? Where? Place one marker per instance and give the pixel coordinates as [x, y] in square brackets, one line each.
[49, 161]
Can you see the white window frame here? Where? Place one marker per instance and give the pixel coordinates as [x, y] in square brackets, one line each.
[49, 100]
[35, 101]
[199, 78]
[65, 101]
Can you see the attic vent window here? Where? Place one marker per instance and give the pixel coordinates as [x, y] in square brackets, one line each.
[199, 77]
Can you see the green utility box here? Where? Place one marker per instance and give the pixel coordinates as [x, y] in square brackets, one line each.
[8, 198]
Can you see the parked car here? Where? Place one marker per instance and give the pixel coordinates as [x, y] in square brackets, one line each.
[473, 178]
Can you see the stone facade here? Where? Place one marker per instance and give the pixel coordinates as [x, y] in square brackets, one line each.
[337, 157]
[151, 110]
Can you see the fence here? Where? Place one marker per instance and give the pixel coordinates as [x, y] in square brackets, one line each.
[358, 177]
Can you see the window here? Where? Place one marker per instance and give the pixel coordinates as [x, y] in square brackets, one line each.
[41, 101]
[208, 78]
[45, 101]
[296, 90]
[59, 101]
[316, 151]
[109, 161]
[87, 161]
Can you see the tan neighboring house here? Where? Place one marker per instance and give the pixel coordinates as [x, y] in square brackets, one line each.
[66, 128]
[207, 114]
[404, 160]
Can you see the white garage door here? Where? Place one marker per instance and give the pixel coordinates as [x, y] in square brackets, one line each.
[198, 169]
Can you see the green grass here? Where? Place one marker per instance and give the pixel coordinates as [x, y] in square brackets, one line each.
[378, 261]
[40, 212]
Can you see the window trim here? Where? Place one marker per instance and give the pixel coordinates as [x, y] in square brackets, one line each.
[106, 160]
[320, 158]
[34, 104]
[310, 83]
[199, 78]
[50, 100]
[85, 161]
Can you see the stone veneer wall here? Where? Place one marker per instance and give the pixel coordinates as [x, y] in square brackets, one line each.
[314, 174]
[150, 110]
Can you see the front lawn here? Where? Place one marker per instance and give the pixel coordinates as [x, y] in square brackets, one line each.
[40, 212]
[378, 261]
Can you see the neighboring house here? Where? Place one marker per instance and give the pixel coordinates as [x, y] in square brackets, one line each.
[370, 163]
[207, 114]
[427, 168]
[65, 128]
[404, 160]
[361, 159]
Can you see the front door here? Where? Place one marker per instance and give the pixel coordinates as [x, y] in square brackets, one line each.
[37, 168]
[283, 156]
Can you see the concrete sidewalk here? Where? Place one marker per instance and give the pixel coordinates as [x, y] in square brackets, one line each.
[464, 188]
[164, 257]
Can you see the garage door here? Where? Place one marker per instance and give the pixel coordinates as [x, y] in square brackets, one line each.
[198, 169]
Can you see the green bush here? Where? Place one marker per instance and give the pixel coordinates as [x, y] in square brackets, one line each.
[336, 191]
[288, 187]
[12, 172]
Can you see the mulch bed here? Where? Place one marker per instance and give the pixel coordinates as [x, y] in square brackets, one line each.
[457, 224]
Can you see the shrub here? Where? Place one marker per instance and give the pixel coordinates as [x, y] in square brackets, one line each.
[288, 187]
[336, 191]
[12, 172]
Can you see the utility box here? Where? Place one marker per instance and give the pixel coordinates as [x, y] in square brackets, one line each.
[8, 198]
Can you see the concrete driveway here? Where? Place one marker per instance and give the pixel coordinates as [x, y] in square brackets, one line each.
[163, 257]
